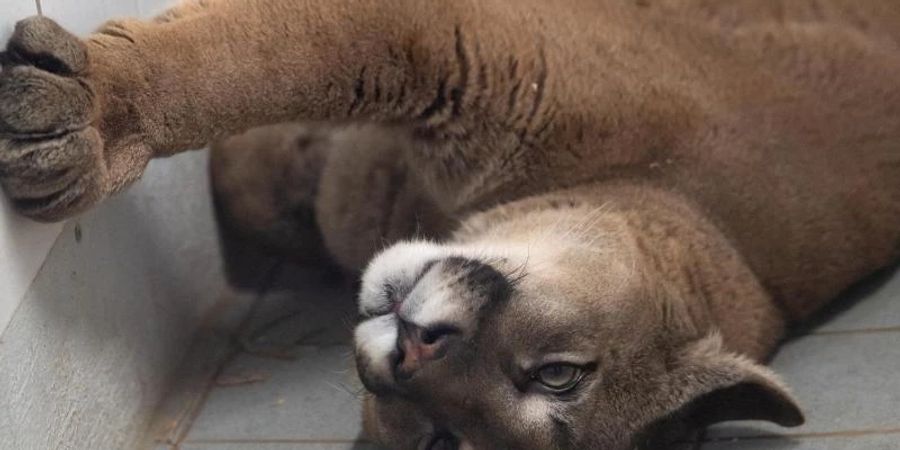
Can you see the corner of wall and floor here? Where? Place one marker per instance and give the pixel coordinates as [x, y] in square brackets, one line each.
[97, 313]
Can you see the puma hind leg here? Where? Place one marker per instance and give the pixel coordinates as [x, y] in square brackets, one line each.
[318, 193]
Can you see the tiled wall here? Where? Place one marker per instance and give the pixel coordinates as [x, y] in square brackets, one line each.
[96, 314]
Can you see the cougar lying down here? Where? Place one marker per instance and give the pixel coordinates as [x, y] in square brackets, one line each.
[600, 214]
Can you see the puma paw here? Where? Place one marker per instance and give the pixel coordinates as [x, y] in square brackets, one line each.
[52, 161]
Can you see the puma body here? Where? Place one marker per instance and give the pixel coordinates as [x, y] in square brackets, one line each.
[625, 202]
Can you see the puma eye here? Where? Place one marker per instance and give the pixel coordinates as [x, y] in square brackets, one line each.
[558, 378]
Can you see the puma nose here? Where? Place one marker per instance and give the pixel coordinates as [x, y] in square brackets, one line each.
[417, 346]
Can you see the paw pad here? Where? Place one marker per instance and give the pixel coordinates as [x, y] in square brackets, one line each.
[51, 159]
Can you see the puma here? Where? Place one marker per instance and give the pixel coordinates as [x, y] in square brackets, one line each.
[602, 214]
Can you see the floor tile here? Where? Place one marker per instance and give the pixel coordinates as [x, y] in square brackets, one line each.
[311, 398]
[872, 305]
[843, 382]
[309, 307]
[877, 442]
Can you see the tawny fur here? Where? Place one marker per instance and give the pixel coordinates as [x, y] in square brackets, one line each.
[751, 149]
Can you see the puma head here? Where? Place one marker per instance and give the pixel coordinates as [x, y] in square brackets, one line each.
[559, 342]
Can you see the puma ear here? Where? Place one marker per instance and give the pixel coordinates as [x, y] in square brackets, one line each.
[720, 386]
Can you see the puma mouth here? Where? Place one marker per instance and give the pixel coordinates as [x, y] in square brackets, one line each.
[376, 348]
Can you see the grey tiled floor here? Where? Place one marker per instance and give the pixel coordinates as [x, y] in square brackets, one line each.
[296, 388]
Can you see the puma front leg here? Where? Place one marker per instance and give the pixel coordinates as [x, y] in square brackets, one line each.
[80, 119]
[69, 133]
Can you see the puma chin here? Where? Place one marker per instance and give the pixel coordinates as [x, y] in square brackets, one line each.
[535, 340]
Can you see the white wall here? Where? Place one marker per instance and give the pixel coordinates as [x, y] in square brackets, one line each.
[23, 244]
[83, 16]
[89, 345]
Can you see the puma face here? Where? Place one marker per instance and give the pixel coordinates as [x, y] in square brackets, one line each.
[552, 343]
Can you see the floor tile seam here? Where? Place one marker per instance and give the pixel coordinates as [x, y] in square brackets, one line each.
[811, 435]
[852, 331]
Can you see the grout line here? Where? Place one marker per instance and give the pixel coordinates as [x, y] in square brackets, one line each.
[264, 287]
[40, 10]
[816, 435]
[874, 330]
[201, 402]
